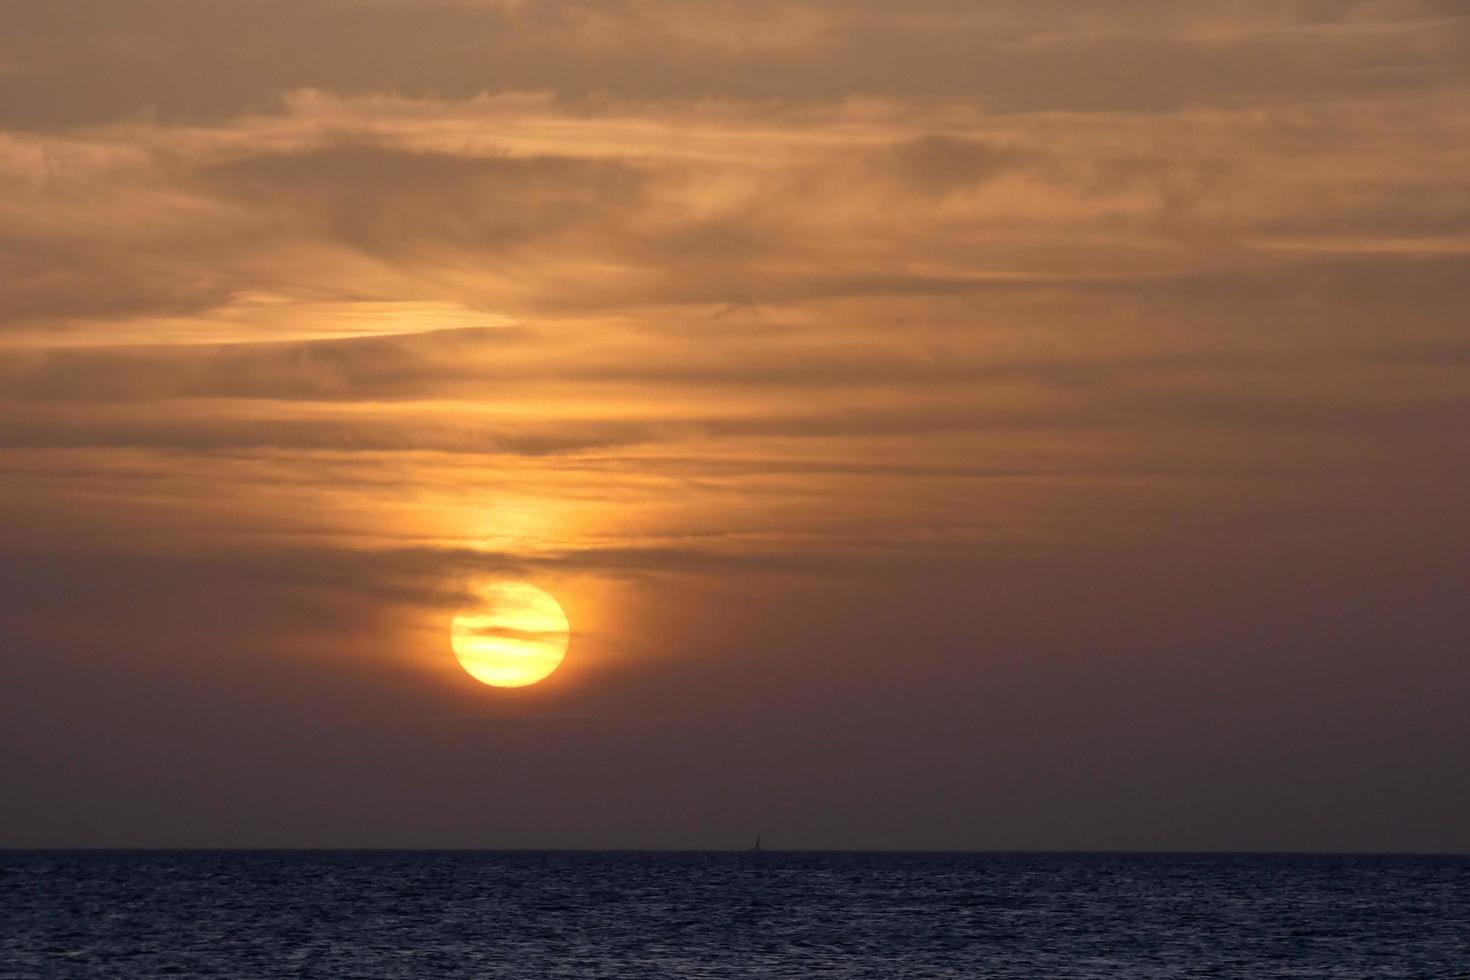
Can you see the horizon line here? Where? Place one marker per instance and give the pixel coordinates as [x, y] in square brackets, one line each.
[1017, 852]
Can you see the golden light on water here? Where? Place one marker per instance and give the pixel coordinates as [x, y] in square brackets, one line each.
[514, 636]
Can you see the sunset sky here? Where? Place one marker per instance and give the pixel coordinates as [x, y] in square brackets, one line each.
[946, 424]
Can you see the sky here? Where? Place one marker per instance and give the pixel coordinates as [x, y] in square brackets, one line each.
[957, 425]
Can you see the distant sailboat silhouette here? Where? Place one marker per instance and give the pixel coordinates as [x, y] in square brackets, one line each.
[757, 846]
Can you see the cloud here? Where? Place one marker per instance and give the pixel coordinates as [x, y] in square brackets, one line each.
[384, 200]
[104, 60]
[533, 204]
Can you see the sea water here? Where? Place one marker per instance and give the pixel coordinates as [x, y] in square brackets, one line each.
[528, 915]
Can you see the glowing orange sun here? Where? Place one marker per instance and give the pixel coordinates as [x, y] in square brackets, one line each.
[515, 635]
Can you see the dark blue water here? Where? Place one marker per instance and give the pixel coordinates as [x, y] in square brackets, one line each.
[610, 915]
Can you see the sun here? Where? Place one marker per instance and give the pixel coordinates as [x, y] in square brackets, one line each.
[514, 635]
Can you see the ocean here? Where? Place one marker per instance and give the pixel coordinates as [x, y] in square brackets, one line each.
[771, 914]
